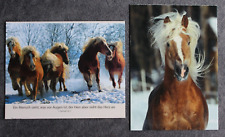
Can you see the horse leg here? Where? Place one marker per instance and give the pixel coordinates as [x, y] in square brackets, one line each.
[14, 83]
[40, 87]
[35, 88]
[87, 78]
[27, 91]
[20, 89]
[62, 81]
[97, 79]
[60, 84]
[53, 85]
[120, 78]
[112, 78]
[46, 85]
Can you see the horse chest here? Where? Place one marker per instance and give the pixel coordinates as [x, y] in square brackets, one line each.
[14, 66]
[177, 114]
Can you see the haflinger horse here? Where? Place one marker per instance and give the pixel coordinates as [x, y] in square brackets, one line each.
[117, 63]
[31, 70]
[177, 103]
[54, 62]
[89, 63]
[14, 49]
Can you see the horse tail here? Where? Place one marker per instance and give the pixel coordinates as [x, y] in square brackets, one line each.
[66, 73]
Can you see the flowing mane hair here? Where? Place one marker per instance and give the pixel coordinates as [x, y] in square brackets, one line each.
[92, 42]
[50, 58]
[28, 49]
[58, 45]
[163, 33]
[14, 41]
[119, 46]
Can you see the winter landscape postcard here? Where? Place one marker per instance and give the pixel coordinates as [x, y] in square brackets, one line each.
[65, 70]
[174, 67]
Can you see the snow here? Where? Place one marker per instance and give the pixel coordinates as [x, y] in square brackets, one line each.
[139, 105]
[78, 94]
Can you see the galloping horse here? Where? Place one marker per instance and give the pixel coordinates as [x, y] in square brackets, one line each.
[54, 64]
[117, 63]
[89, 62]
[14, 63]
[31, 70]
[177, 103]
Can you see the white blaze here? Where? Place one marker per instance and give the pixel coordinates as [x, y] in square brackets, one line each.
[178, 41]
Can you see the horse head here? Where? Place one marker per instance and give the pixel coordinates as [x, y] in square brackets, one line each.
[116, 47]
[13, 46]
[61, 49]
[178, 52]
[29, 57]
[104, 48]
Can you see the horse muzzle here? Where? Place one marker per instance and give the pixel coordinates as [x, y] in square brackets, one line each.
[181, 71]
[109, 57]
[12, 54]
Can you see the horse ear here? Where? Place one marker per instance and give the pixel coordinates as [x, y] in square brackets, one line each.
[167, 19]
[184, 21]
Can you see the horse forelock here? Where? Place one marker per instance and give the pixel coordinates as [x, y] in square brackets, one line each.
[165, 32]
[28, 49]
[92, 42]
[118, 45]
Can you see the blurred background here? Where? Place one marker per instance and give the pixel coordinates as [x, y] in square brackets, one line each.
[146, 70]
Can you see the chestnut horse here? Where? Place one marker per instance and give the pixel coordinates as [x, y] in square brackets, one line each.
[54, 64]
[89, 62]
[31, 70]
[14, 63]
[177, 103]
[117, 63]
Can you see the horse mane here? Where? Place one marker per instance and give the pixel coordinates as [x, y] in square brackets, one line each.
[58, 45]
[27, 49]
[15, 41]
[118, 45]
[50, 58]
[91, 42]
[163, 33]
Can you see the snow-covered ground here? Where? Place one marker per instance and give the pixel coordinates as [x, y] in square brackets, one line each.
[78, 94]
[139, 109]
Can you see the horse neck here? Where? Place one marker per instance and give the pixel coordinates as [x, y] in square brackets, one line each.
[173, 85]
[16, 59]
[92, 52]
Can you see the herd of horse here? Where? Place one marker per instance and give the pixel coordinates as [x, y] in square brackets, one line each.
[26, 66]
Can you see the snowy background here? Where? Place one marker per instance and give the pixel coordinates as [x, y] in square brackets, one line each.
[74, 35]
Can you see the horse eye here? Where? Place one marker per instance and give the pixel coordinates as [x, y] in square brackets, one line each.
[167, 44]
[189, 43]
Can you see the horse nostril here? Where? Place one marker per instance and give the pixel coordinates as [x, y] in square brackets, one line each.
[108, 53]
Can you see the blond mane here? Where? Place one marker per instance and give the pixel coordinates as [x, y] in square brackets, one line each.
[92, 42]
[27, 49]
[119, 46]
[59, 46]
[50, 58]
[164, 32]
[14, 41]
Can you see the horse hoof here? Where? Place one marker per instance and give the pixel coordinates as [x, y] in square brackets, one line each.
[65, 89]
[99, 90]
